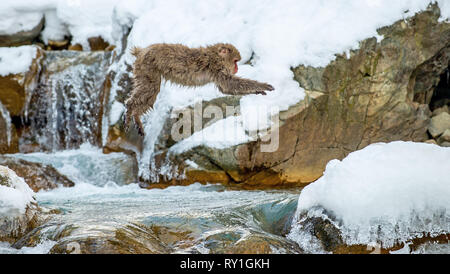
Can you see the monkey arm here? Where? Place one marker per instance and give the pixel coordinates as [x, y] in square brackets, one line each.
[230, 84]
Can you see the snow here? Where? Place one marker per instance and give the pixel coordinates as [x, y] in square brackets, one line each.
[384, 192]
[15, 194]
[16, 60]
[222, 134]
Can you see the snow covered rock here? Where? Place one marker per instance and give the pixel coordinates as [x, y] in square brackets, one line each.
[18, 209]
[444, 140]
[19, 73]
[366, 96]
[12, 36]
[385, 193]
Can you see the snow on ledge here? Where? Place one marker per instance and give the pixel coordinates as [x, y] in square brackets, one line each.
[16, 60]
[386, 192]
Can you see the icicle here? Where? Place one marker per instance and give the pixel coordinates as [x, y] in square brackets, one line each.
[5, 114]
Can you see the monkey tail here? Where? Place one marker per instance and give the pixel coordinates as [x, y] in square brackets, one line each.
[135, 51]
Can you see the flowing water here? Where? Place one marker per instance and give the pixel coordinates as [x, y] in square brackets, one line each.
[211, 218]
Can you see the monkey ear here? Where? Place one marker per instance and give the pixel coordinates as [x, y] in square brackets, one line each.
[224, 51]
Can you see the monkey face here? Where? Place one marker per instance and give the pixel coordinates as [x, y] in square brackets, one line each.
[230, 56]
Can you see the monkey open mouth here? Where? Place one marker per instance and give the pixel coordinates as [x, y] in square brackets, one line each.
[235, 67]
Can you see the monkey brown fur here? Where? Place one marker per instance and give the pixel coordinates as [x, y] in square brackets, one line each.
[188, 67]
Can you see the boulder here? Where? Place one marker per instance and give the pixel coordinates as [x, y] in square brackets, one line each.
[439, 124]
[19, 212]
[37, 176]
[22, 37]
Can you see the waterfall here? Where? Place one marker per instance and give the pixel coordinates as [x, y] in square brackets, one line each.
[67, 106]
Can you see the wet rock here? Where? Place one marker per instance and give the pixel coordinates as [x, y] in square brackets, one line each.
[379, 93]
[22, 37]
[263, 245]
[19, 212]
[132, 239]
[37, 176]
[439, 124]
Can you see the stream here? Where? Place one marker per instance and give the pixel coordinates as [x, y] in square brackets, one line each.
[102, 208]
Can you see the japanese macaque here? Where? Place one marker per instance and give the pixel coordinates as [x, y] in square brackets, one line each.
[188, 67]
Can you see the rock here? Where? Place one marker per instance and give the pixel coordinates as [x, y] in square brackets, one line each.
[380, 93]
[330, 238]
[131, 239]
[97, 43]
[19, 212]
[439, 124]
[438, 111]
[58, 45]
[36, 175]
[22, 37]
[16, 89]
[76, 47]
[431, 141]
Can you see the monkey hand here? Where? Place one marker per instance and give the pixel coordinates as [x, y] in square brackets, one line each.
[264, 87]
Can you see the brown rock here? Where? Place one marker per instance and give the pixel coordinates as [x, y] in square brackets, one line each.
[36, 175]
[58, 45]
[76, 47]
[97, 43]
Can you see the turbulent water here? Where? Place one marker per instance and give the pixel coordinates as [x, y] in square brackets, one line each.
[106, 203]
[101, 203]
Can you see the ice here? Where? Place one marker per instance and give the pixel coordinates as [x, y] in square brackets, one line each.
[386, 192]
[5, 115]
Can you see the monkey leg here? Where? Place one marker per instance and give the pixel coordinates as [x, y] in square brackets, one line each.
[143, 96]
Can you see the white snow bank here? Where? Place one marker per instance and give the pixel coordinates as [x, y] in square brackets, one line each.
[16, 59]
[15, 194]
[385, 192]
[222, 134]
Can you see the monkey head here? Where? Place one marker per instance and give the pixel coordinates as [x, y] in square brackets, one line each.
[230, 56]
